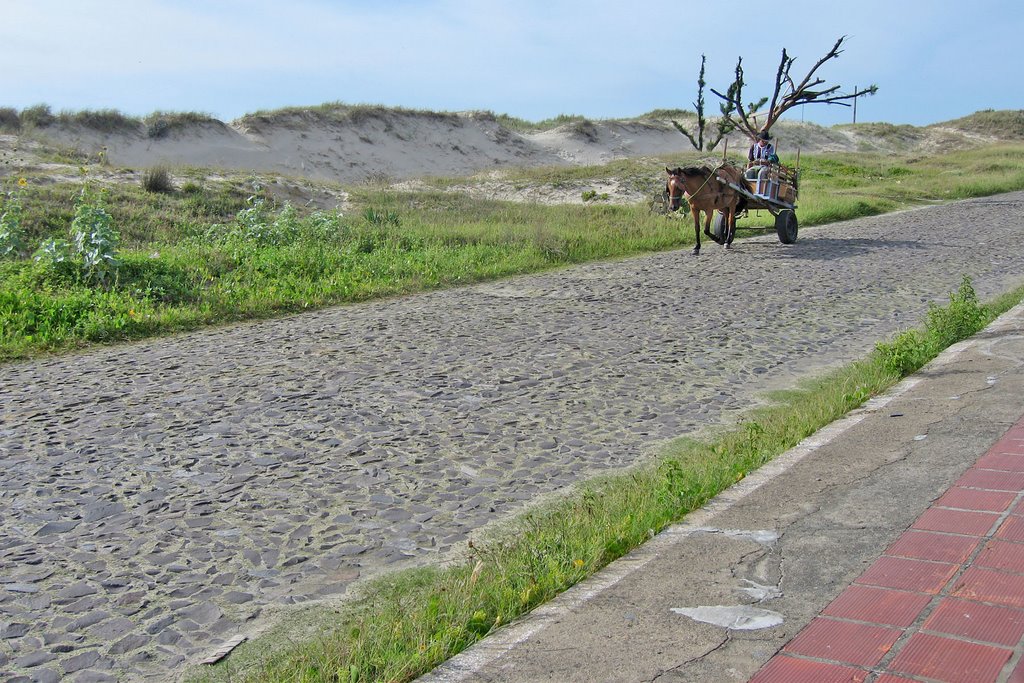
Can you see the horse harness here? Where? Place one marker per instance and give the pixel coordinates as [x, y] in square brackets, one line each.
[711, 174]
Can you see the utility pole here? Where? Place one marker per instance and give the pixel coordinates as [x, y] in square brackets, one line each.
[855, 103]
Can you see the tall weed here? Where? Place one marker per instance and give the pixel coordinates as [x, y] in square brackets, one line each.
[90, 256]
[94, 240]
[157, 179]
[12, 233]
[944, 326]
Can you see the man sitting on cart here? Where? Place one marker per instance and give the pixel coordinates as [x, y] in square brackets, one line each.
[763, 150]
[761, 156]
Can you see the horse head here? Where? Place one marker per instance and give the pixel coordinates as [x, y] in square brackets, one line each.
[681, 180]
[674, 187]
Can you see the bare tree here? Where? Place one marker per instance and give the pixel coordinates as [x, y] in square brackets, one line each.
[724, 126]
[788, 94]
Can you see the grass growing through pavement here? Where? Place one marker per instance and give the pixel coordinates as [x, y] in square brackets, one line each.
[944, 326]
[204, 255]
[404, 624]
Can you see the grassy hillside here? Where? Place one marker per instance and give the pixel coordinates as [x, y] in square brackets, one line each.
[103, 263]
[1004, 124]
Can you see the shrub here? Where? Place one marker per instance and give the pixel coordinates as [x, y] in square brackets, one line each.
[585, 130]
[158, 128]
[38, 116]
[158, 179]
[57, 261]
[161, 124]
[382, 218]
[254, 224]
[9, 120]
[257, 226]
[12, 234]
[94, 240]
[907, 352]
[103, 120]
[963, 317]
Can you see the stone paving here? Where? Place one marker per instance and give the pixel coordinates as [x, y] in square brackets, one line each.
[158, 498]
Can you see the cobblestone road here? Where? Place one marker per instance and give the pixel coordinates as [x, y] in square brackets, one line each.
[157, 498]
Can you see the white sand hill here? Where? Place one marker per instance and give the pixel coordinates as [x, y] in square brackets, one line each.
[354, 144]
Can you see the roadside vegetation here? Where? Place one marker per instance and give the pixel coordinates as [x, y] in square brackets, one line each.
[85, 262]
[213, 252]
[402, 625]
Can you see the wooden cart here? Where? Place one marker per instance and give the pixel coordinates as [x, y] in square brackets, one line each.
[773, 188]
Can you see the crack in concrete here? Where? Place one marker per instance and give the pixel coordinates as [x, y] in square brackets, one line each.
[725, 641]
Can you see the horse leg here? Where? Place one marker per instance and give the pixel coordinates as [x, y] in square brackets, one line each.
[730, 227]
[738, 208]
[708, 217]
[696, 229]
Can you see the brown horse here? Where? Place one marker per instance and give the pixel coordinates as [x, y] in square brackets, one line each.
[706, 191]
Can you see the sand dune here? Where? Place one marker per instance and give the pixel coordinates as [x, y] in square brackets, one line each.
[356, 144]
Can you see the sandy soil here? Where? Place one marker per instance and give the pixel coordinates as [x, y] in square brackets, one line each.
[308, 150]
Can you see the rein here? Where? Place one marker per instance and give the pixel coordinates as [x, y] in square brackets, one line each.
[707, 180]
[711, 174]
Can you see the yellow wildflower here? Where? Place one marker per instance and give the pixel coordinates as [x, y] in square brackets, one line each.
[578, 564]
[22, 182]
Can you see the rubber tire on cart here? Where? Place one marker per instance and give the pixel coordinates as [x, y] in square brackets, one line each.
[718, 228]
[786, 226]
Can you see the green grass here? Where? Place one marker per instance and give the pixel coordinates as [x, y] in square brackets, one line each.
[160, 124]
[404, 624]
[144, 219]
[339, 112]
[185, 262]
[667, 114]
[1004, 124]
[523, 126]
[843, 186]
[196, 275]
[102, 120]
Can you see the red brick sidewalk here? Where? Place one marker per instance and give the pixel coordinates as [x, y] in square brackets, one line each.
[945, 602]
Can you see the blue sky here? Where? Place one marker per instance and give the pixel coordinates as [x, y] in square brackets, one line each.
[932, 60]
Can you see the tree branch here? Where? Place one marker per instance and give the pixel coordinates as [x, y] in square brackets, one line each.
[737, 115]
[685, 132]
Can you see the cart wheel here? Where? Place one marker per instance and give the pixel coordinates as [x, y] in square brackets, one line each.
[719, 230]
[785, 226]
